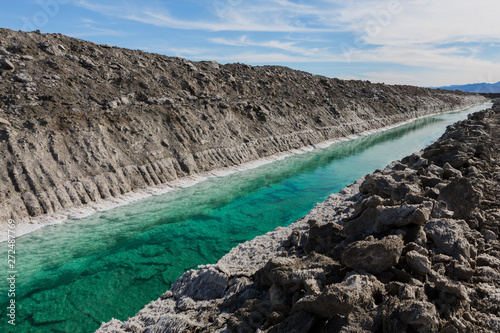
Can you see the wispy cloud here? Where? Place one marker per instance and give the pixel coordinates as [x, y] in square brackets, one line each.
[433, 36]
[291, 47]
[277, 16]
[422, 21]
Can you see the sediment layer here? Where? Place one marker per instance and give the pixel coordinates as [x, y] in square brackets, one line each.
[411, 248]
[81, 122]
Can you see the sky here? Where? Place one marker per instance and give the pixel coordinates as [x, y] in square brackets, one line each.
[415, 42]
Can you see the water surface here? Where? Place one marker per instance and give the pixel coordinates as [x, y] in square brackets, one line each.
[73, 276]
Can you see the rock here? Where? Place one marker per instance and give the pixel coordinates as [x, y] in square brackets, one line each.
[301, 322]
[53, 49]
[435, 170]
[125, 100]
[72, 57]
[291, 274]
[488, 260]
[112, 104]
[23, 77]
[214, 64]
[190, 65]
[455, 289]
[418, 262]
[3, 51]
[4, 122]
[450, 172]
[357, 290]
[203, 284]
[323, 239]
[490, 236]
[6, 64]
[375, 220]
[388, 186]
[440, 210]
[419, 314]
[372, 255]
[460, 197]
[447, 236]
[86, 62]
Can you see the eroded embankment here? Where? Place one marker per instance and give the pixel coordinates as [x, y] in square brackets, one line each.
[81, 122]
[412, 248]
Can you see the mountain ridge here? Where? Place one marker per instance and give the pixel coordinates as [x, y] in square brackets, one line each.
[475, 87]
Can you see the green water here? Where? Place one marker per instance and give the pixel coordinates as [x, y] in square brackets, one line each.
[73, 276]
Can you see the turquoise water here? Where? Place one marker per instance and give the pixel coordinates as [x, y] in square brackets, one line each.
[73, 276]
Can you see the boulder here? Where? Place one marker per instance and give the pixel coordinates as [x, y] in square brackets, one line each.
[460, 197]
[6, 64]
[23, 77]
[377, 219]
[373, 255]
[357, 290]
[448, 237]
[418, 263]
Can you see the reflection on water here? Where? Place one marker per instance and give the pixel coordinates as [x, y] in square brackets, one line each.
[78, 274]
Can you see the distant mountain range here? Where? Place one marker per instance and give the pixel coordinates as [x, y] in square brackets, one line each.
[476, 87]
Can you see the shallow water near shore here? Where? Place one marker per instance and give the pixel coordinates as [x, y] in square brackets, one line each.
[73, 276]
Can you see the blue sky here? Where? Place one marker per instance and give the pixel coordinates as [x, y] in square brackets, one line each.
[417, 42]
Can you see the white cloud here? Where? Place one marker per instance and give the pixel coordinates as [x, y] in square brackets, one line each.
[440, 38]
[422, 21]
[259, 16]
[291, 47]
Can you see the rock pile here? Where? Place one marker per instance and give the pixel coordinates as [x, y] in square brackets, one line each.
[412, 248]
[81, 122]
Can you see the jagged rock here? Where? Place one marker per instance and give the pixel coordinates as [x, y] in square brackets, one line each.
[23, 77]
[300, 322]
[372, 255]
[4, 122]
[488, 260]
[440, 210]
[6, 64]
[421, 315]
[435, 170]
[202, 284]
[357, 290]
[418, 262]
[52, 49]
[451, 172]
[3, 51]
[375, 220]
[452, 288]
[86, 62]
[447, 236]
[291, 274]
[460, 197]
[388, 186]
[323, 239]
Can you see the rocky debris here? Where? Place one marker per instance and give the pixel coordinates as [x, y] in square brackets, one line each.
[373, 255]
[4, 122]
[91, 122]
[6, 64]
[385, 254]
